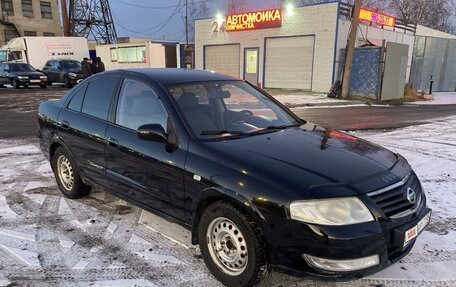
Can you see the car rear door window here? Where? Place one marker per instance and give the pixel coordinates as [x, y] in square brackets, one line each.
[139, 105]
[98, 97]
[76, 102]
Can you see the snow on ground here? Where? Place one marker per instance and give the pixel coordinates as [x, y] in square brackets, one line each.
[439, 99]
[46, 240]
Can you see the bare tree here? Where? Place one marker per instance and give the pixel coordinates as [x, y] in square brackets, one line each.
[197, 9]
[231, 6]
[436, 14]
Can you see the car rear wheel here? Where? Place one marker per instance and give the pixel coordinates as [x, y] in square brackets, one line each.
[232, 245]
[68, 179]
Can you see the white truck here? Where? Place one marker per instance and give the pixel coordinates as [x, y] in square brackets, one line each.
[36, 51]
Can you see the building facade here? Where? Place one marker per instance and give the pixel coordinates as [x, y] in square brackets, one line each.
[302, 50]
[20, 18]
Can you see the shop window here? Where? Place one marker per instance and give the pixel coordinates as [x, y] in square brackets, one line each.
[29, 33]
[7, 7]
[47, 34]
[27, 8]
[46, 11]
[131, 54]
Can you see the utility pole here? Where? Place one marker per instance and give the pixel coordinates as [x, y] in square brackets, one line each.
[66, 30]
[351, 48]
[186, 22]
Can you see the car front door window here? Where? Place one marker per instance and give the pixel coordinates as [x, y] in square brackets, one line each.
[139, 105]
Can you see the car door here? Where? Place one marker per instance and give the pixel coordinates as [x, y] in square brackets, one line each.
[83, 123]
[145, 171]
[47, 70]
[2, 74]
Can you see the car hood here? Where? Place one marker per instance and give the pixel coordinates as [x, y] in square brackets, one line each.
[316, 159]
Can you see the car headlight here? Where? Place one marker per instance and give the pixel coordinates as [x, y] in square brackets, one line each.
[43, 77]
[337, 211]
[22, 77]
[73, 75]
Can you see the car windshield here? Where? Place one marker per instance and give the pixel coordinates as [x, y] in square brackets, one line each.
[71, 65]
[21, 68]
[229, 108]
[2, 56]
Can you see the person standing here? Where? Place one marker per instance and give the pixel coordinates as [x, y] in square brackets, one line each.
[86, 69]
[100, 65]
[93, 67]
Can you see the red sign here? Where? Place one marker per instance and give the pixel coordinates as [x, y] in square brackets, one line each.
[377, 18]
[254, 20]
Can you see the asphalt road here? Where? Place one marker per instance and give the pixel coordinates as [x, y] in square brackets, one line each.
[18, 113]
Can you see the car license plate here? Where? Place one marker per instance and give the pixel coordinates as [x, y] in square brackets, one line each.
[414, 231]
[35, 81]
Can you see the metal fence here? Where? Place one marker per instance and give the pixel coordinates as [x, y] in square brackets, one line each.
[436, 58]
[366, 72]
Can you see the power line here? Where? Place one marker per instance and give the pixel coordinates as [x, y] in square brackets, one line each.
[149, 31]
[153, 7]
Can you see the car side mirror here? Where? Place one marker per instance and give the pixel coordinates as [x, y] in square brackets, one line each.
[152, 132]
[6, 70]
[59, 68]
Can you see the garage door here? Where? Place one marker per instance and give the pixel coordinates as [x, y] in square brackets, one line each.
[223, 59]
[289, 62]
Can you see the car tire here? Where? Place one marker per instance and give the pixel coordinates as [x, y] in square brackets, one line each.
[232, 245]
[15, 84]
[43, 86]
[68, 179]
[67, 82]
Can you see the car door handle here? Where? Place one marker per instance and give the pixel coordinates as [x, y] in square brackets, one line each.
[113, 142]
[65, 125]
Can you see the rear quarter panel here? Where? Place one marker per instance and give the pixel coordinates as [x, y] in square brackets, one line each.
[48, 113]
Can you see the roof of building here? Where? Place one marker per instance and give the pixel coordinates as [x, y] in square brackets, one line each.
[167, 76]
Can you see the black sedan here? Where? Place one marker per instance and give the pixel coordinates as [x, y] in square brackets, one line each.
[256, 185]
[63, 71]
[21, 74]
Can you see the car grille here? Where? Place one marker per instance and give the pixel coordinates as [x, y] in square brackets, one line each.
[34, 77]
[394, 201]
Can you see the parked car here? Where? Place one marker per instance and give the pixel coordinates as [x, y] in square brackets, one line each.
[256, 185]
[21, 74]
[63, 71]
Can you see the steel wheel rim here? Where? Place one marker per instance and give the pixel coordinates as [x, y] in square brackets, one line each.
[65, 172]
[227, 246]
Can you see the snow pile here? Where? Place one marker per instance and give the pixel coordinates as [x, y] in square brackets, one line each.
[431, 151]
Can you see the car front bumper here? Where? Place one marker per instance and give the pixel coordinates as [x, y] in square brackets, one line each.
[32, 82]
[353, 245]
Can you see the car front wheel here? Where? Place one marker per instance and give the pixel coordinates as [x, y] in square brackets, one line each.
[68, 179]
[67, 82]
[15, 84]
[232, 245]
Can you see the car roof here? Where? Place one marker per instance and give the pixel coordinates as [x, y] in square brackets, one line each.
[167, 76]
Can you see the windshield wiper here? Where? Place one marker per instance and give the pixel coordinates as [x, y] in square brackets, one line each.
[220, 132]
[283, 126]
[270, 129]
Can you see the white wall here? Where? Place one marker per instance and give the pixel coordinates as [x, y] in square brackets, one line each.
[318, 19]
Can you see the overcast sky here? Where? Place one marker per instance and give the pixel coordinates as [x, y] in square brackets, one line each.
[151, 18]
